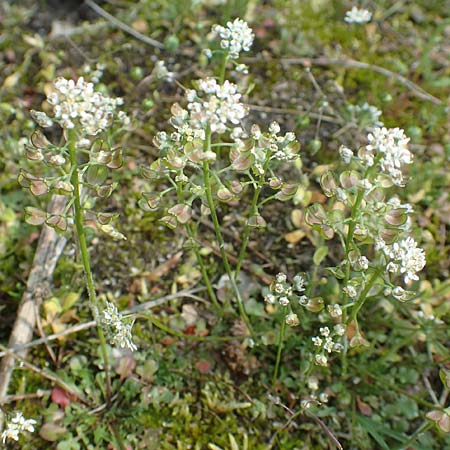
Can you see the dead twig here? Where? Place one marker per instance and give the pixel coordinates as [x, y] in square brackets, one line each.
[124, 27]
[354, 64]
[85, 326]
[49, 249]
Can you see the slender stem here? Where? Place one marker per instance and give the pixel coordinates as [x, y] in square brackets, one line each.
[204, 272]
[280, 350]
[348, 241]
[363, 298]
[219, 237]
[198, 256]
[79, 226]
[223, 67]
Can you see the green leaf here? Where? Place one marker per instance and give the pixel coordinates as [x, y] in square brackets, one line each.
[320, 254]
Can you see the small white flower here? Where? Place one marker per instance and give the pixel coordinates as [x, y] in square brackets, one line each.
[335, 311]
[317, 341]
[324, 331]
[284, 301]
[281, 278]
[346, 154]
[236, 37]
[16, 426]
[339, 329]
[321, 360]
[313, 383]
[350, 291]
[269, 299]
[274, 128]
[356, 15]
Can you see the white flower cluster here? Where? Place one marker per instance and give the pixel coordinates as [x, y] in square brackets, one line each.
[76, 103]
[326, 344]
[314, 398]
[236, 37]
[390, 148]
[368, 115]
[358, 15]
[161, 72]
[406, 258]
[119, 331]
[96, 74]
[285, 293]
[212, 106]
[278, 146]
[16, 426]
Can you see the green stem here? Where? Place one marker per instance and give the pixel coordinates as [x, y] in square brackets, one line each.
[197, 254]
[223, 67]
[247, 230]
[280, 350]
[79, 227]
[348, 240]
[363, 298]
[219, 237]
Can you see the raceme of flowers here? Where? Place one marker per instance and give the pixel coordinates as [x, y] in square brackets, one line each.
[358, 15]
[325, 343]
[118, 330]
[390, 148]
[405, 258]
[76, 103]
[235, 38]
[16, 426]
[284, 293]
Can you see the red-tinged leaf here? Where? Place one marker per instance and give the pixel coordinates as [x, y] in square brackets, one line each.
[61, 397]
[363, 407]
[203, 366]
[190, 330]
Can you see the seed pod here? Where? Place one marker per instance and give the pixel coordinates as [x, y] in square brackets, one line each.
[62, 188]
[396, 217]
[152, 200]
[182, 212]
[39, 140]
[349, 179]
[286, 192]
[96, 174]
[256, 221]
[57, 222]
[328, 184]
[116, 159]
[34, 154]
[224, 194]
[169, 221]
[35, 216]
[106, 190]
[241, 161]
[193, 151]
[174, 160]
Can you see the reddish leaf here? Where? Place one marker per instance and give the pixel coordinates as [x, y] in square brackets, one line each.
[203, 366]
[61, 397]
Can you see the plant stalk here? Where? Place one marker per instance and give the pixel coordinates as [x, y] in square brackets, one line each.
[280, 350]
[219, 237]
[79, 227]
